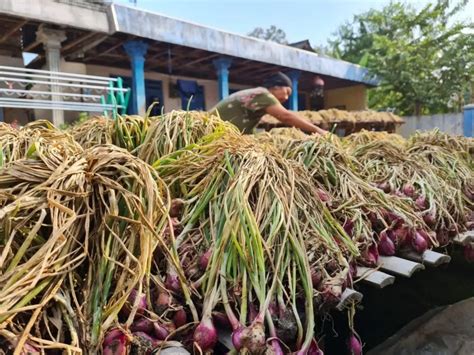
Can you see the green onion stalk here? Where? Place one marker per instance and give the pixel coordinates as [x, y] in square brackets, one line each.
[38, 140]
[452, 158]
[127, 131]
[42, 222]
[78, 232]
[130, 216]
[94, 131]
[258, 213]
[176, 130]
[130, 131]
[390, 167]
[360, 207]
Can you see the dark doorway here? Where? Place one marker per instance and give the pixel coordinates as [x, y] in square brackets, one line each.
[153, 93]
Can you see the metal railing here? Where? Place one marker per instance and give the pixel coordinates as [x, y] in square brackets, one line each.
[42, 89]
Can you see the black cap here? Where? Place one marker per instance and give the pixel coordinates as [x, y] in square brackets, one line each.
[278, 79]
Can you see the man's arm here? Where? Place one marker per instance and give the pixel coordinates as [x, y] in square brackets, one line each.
[292, 119]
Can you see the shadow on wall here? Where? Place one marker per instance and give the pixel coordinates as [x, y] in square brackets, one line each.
[19, 115]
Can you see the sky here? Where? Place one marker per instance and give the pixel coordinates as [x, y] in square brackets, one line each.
[315, 20]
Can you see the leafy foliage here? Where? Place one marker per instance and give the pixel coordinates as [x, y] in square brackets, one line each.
[424, 58]
[272, 33]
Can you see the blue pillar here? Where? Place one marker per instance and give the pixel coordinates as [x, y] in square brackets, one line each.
[468, 120]
[294, 75]
[222, 67]
[136, 50]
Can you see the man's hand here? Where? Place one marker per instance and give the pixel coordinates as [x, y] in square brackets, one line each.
[292, 119]
[322, 131]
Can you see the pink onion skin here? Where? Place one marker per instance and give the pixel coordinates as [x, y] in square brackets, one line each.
[429, 219]
[469, 252]
[373, 218]
[470, 216]
[29, 349]
[353, 270]
[163, 301]
[385, 245]
[393, 218]
[443, 238]
[400, 234]
[469, 194]
[205, 335]
[116, 347]
[316, 278]
[274, 348]
[180, 318]
[115, 343]
[142, 304]
[371, 255]
[176, 208]
[391, 235]
[420, 203]
[221, 319]
[385, 187]
[237, 338]
[332, 295]
[160, 332]
[313, 349]
[174, 224]
[273, 308]
[112, 334]
[398, 193]
[172, 283]
[349, 227]
[204, 260]
[427, 236]
[374, 255]
[408, 190]
[419, 243]
[323, 195]
[252, 312]
[355, 347]
[144, 325]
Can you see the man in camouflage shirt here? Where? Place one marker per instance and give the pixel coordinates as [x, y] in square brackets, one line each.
[245, 108]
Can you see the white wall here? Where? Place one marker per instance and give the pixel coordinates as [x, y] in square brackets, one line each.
[450, 123]
[11, 114]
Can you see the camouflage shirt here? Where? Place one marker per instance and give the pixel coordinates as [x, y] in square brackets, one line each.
[245, 108]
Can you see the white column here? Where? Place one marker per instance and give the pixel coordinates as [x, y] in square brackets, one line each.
[51, 40]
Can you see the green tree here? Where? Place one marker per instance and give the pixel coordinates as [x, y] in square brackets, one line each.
[272, 33]
[323, 50]
[423, 58]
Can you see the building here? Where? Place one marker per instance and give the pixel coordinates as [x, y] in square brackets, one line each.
[164, 59]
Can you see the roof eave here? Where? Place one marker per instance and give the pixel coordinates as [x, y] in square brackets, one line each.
[162, 28]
